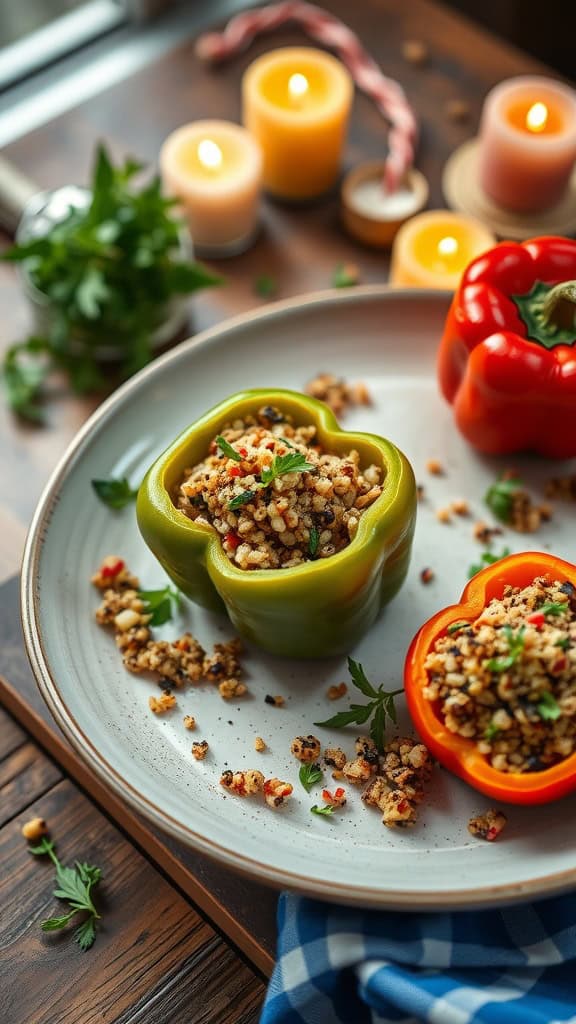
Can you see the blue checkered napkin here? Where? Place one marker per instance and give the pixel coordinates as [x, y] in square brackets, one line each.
[343, 966]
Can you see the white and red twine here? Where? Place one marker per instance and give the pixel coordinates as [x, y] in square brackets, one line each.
[332, 33]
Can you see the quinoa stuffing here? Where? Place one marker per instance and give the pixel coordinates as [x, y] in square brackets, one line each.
[189, 722]
[274, 496]
[397, 785]
[306, 748]
[336, 692]
[488, 825]
[507, 680]
[336, 393]
[163, 703]
[259, 744]
[562, 487]
[199, 750]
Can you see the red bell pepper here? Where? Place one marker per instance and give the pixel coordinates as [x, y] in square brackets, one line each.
[461, 755]
[507, 359]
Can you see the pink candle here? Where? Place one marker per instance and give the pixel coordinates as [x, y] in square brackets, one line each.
[528, 143]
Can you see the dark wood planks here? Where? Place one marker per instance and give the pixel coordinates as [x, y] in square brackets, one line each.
[155, 959]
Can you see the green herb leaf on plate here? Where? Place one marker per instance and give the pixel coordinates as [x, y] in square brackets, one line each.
[324, 811]
[487, 558]
[115, 493]
[160, 604]
[310, 775]
[380, 708]
[500, 497]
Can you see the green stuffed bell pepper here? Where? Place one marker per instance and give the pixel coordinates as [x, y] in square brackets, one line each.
[321, 607]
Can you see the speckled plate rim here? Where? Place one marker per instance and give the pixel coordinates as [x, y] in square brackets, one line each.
[47, 683]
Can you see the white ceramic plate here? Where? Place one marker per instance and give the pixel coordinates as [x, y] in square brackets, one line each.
[388, 339]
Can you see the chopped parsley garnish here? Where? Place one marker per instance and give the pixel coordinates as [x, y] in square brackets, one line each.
[455, 627]
[266, 286]
[241, 499]
[491, 732]
[500, 497]
[554, 608]
[160, 604]
[115, 493]
[227, 449]
[515, 646]
[379, 708]
[487, 558]
[292, 462]
[344, 276]
[324, 811]
[313, 541]
[548, 707]
[75, 886]
[310, 775]
[563, 643]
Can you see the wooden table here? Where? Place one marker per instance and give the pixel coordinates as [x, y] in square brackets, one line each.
[159, 959]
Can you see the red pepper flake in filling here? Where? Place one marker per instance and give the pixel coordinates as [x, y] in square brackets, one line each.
[536, 619]
[232, 539]
[109, 570]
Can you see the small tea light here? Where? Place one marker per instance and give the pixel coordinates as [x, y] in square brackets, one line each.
[215, 169]
[434, 248]
[527, 143]
[373, 215]
[296, 103]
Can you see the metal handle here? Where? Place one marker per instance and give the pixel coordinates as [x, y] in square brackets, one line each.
[15, 191]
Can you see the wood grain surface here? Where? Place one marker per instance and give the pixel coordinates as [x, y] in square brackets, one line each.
[157, 960]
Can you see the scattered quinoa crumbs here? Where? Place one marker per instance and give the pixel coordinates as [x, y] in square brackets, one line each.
[444, 515]
[435, 467]
[507, 680]
[306, 748]
[485, 534]
[34, 829]
[275, 791]
[189, 722]
[337, 691]
[396, 786]
[269, 515]
[426, 576]
[562, 487]
[337, 394]
[173, 663]
[199, 750]
[276, 702]
[488, 825]
[159, 705]
[259, 744]
[414, 51]
[460, 507]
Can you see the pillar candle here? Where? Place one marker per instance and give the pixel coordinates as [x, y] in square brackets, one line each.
[433, 249]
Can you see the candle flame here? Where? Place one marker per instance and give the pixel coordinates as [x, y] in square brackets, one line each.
[297, 86]
[537, 117]
[209, 154]
[448, 246]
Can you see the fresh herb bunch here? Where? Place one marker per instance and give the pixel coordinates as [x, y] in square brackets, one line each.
[379, 707]
[109, 272]
[75, 886]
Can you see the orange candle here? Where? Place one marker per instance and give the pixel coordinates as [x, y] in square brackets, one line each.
[296, 103]
[528, 143]
[433, 249]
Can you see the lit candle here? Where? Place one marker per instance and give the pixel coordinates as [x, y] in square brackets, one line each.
[215, 169]
[296, 103]
[433, 249]
[527, 143]
[373, 215]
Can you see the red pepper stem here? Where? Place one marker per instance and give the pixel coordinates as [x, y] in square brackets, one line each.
[559, 307]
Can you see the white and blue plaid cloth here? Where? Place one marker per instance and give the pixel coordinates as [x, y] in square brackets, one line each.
[516, 965]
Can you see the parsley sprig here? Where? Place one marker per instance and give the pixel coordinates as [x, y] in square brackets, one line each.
[487, 558]
[160, 604]
[115, 492]
[554, 608]
[227, 449]
[292, 462]
[109, 272]
[515, 648]
[548, 707]
[379, 707]
[325, 811]
[500, 497]
[310, 775]
[75, 886]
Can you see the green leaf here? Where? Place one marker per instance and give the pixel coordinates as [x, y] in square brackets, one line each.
[23, 378]
[115, 493]
[292, 462]
[344, 276]
[487, 558]
[227, 449]
[516, 646]
[313, 541]
[241, 499]
[44, 846]
[310, 775]
[491, 732]
[378, 727]
[53, 924]
[184, 278]
[86, 933]
[359, 679]
[265, 286]
[548, 707]
[91, 293]
[563, 643]
[325, 811]
[357, 715]
[158, 604]
[554, 608]
[455, 627]
[500, 497]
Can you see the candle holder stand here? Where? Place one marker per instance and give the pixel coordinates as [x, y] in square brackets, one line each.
[462, 191]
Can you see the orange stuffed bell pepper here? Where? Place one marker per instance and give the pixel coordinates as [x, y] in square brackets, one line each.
[507, 359]
[518, 709]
